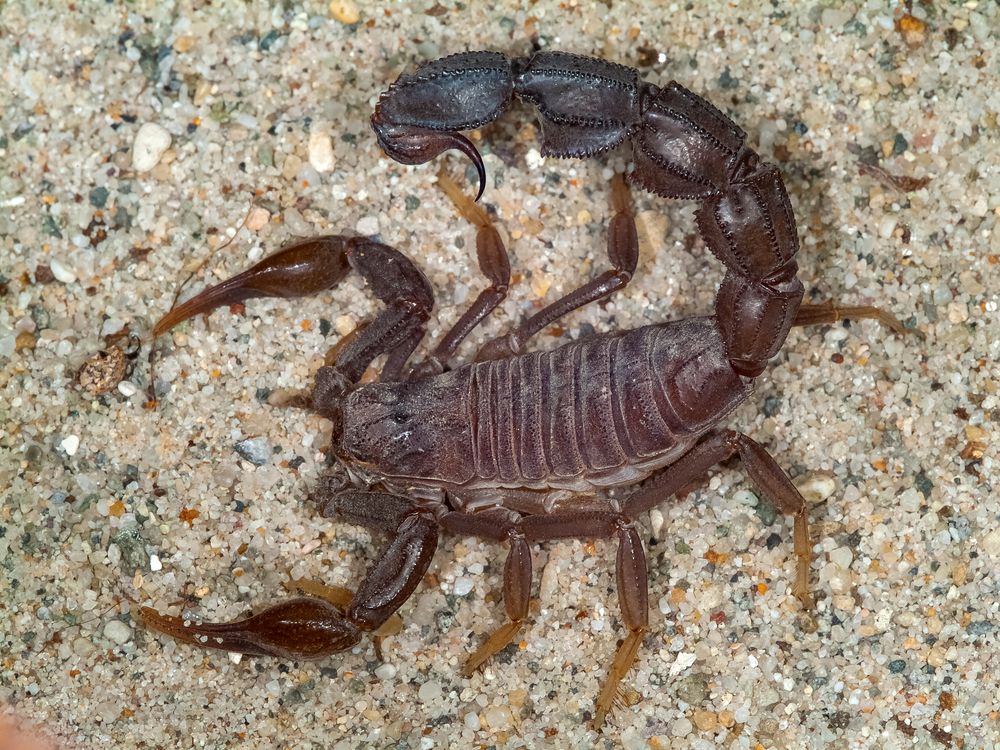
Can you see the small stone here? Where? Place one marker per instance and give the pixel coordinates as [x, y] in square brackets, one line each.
[655, 523]
[842, 557]
[693, 689]
[63, 273]
[935, 657]
[345, 11]
[155, 564]
[726, 718]
[118, 631]
[684, 660]
[127, 389]
[909, 500]
[706, 721]
[98, 197]
[344, 324]
[385, 672]
[681, 728]
[321, 151]
[257, 218]
[429, 691]
[471, 720]
[886, 226]
[367, 225]
[463, 586]
[497, 717]
[255, 450]
[70, 444]
[979, 627]
[991, 543]
[151, 142]
[896, 666]
[766, 512]
[816, 488]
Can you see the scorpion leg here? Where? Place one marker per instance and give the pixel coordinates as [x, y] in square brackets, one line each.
[499, 524]
[623, 251]
[314, 628]
[829, 312]
[764, 472]
[494, 264]
[631, 576]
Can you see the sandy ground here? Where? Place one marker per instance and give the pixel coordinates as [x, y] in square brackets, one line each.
[884, 124]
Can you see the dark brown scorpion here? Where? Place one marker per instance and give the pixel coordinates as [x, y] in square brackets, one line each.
[521, 447]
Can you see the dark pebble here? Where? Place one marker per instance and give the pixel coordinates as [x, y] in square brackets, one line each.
[255, 450]
[979, 627]
[771, 406]
[766, 512]
[726, 80]
[99, 197]
[268, 40]
[896, 666]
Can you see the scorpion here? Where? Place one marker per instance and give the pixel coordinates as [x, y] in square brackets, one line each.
[525, 446]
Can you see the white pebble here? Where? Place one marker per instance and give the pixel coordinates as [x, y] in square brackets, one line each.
[909, 500]
[151, 141]
[154, 563]
[991, 543]
[320, 151]
[886, 226]
[367, 225]
[472, 721]
[127, 389]
[498, 717]
[111, 326]
[385, 672]
[682, 662]
[429, 691]
[70, 444]
[62, 273]
[842, 557]
[463, 586]
[655, 523]
[682, 727]
[816, 488]
[117, 631]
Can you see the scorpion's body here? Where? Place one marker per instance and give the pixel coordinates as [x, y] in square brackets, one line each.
[565, 424]
[520, 446]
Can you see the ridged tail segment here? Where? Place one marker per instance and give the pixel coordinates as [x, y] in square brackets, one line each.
[591, 407]
[686, 148]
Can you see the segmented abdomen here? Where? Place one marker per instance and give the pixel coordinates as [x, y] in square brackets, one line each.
[591, 407]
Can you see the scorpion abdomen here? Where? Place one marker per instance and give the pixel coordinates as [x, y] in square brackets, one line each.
[597, 409]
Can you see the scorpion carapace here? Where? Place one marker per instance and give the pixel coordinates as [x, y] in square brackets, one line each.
[531, 446]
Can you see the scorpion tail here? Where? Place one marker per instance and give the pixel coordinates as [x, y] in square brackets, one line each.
[420, 115]
[298, 270]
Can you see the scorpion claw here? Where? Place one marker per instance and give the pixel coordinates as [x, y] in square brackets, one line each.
[411, 144]
[301, 628]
